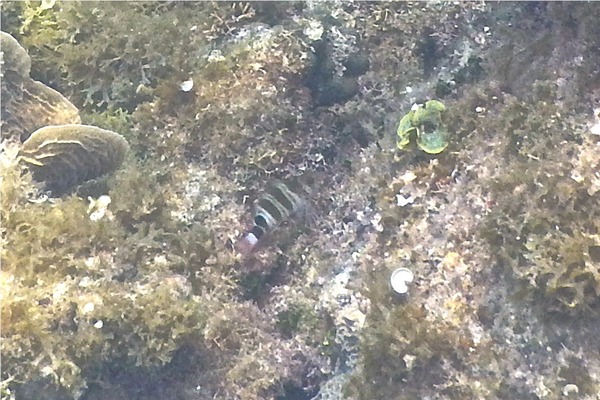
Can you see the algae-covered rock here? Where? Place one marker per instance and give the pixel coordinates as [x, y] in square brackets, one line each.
[331, 80]
[36, 106]
[14, 57]
[27, 104]
[66, 155]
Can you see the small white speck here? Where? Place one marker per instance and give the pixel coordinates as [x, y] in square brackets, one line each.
[376, 222]
[479, 109]
[576, 176]
[88, 308]
[215, 56]
[85, 282]
[408, 176]
[408, 89]
[186, 86]
[596, 129]
[160, 260]
[409, 360]
[404, 201]
[314, 30]
[212, 260]
[98, 207]
[59, 291]
[47, 4]
[99, 324]
[43, 198]
[360, 216]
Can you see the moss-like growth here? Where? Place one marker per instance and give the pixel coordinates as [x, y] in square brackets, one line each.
[82, 291]
[107, 301]
[544, 224]
[406, 350]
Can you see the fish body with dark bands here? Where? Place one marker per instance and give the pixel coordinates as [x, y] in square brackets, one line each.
[277, 205]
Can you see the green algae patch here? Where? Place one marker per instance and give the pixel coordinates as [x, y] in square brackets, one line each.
[425, 124]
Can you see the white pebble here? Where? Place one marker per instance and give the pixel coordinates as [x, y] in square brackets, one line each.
[186, 86]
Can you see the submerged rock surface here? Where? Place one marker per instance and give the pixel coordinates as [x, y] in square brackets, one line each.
[66, 155]
[146, 299]
[27, 104]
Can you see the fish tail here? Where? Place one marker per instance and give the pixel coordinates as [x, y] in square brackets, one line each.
[246, 244]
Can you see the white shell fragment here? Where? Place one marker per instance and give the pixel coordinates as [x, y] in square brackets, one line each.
[402, 201]
[186, 86]
[400, 279]
[570, 388]
[97, 208]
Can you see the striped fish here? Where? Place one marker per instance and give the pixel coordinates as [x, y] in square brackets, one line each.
[277, 205]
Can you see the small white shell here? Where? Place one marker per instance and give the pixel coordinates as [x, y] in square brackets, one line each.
[186, 86]
[400, 279]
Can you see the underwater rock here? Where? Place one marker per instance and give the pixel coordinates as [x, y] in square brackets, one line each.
[14, 57]
[356, 65]
[66, 155]
[36, 106]
[328, 87]
[337, 90]
[28, 105]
